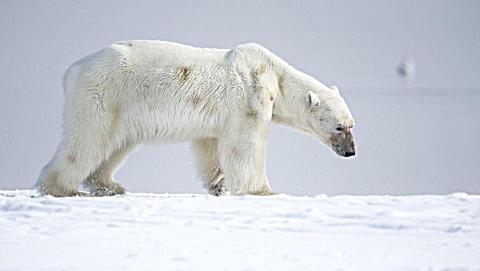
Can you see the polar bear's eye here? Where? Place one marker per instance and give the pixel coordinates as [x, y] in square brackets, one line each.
[339, 129]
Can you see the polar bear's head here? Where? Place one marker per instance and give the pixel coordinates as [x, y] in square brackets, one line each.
[331, 120]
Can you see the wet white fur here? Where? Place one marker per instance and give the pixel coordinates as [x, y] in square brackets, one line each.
[222, 100]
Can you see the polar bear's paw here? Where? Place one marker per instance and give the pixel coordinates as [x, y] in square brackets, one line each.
[50, 184]
[57, 191]
[110, 190]
[217, 188]
[103, 189]
[262, 193]
[217, 191]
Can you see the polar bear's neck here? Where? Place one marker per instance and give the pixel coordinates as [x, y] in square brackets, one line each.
[291, 104]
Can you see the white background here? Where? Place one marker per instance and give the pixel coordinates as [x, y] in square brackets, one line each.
[414, 136]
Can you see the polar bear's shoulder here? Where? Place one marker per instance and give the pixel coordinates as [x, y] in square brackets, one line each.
[255, 54]
[251, 49]
[251, 46]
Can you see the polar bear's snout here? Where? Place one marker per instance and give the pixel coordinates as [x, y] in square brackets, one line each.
[348, 154]
[343, 144]
[349, 145]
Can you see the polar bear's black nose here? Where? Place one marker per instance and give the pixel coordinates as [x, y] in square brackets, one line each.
[348, 153]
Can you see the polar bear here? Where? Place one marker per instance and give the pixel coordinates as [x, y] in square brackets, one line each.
[222, 100]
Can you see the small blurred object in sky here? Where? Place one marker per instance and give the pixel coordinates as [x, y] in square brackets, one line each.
[406, 68]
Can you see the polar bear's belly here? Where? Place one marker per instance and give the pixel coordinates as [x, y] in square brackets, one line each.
[162, 120]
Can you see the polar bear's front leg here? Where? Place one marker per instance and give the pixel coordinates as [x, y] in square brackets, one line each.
[242, 157]
[208, 166]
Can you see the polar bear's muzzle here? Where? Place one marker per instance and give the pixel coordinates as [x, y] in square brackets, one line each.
[343, 144]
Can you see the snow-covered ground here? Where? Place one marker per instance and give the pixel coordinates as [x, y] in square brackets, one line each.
[141, 231]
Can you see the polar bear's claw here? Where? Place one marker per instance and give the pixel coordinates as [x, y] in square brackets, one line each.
[217, 191]
[217, 188]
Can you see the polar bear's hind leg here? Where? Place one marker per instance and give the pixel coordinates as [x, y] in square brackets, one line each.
[90, 137]
[74, 160]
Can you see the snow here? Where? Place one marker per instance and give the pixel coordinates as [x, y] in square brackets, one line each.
[141, 231]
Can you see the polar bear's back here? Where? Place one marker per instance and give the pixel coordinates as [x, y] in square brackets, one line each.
[149, 51]
[147, 55]
[166, 91]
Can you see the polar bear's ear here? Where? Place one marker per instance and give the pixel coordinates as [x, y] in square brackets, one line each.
[313, 100]
[334, 88]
